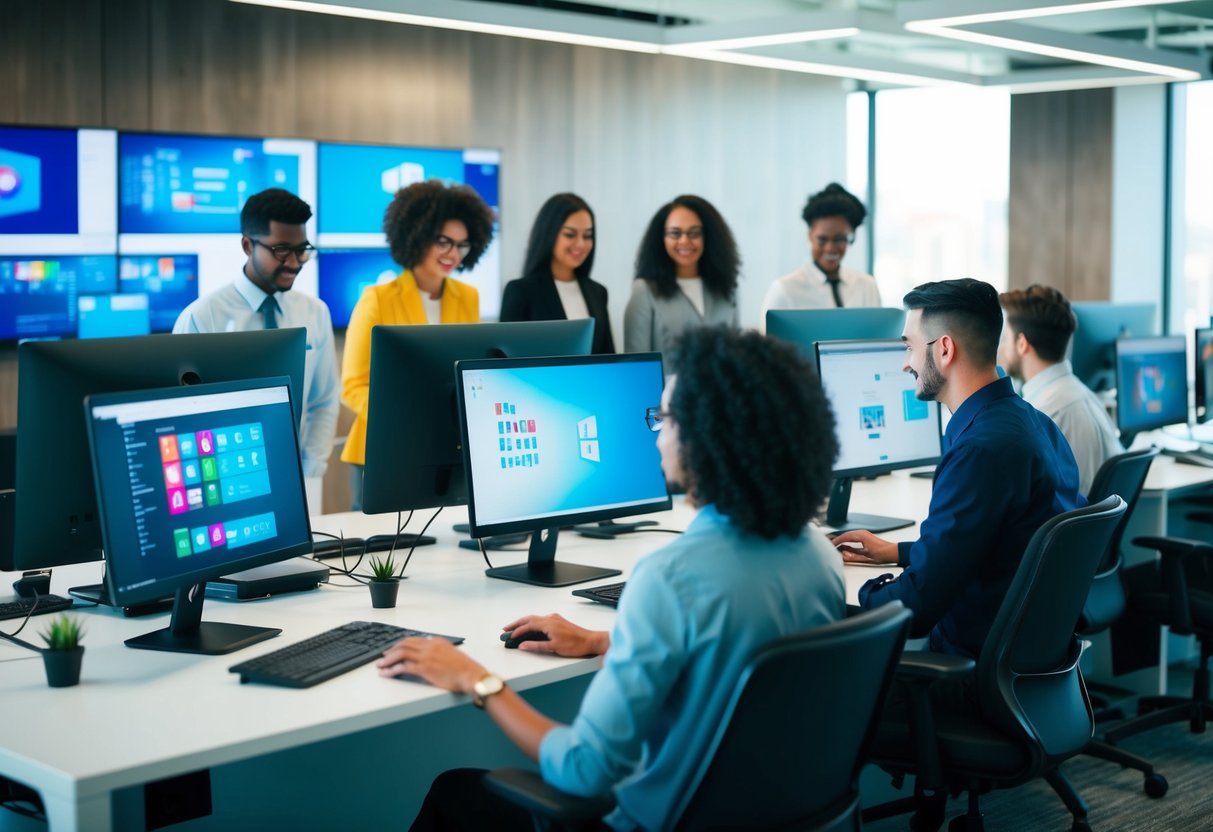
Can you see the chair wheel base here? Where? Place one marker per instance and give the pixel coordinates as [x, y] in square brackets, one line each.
[967, 823]
[1080, 826]
[1156, 786]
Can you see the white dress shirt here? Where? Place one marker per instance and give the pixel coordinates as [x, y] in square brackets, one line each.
[571, 299]
[807, 288]
[236, 308]
[1059, 394]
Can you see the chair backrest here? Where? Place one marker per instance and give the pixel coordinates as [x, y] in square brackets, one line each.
[795, 733]
[1027, 675]
[1123, 475]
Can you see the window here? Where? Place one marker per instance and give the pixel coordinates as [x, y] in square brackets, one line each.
[1191, 279]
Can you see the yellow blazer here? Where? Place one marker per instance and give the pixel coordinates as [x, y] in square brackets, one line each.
[398, 302]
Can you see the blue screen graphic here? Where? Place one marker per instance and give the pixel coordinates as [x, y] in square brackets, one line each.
[113, 316]
[38, 293]
[38, 192]
[358, 181]
[552, 440]
[1152, 383]
[170, 282]
[194, 184]
[345, 273]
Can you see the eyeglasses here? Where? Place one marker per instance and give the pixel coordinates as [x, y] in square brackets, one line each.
[693, 233]
[910, 349]
[282, 251]
[838, 240]
[444, 244]
[654, 417]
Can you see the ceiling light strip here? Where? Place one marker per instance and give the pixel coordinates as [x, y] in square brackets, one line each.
[876, 76]
[1012, 11]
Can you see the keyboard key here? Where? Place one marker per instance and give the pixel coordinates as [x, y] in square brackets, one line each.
[20, 607]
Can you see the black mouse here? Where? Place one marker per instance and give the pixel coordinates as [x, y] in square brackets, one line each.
[512, 643]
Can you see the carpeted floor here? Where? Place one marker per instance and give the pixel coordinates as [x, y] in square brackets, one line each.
[1115, 795]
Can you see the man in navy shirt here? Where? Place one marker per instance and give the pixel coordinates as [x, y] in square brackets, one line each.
[1005, 470]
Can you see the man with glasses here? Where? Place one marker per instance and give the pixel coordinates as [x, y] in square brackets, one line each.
[1005, 470]
[275, 242]
[833, 215]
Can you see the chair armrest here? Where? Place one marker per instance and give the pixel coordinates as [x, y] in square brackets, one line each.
[1200, 516]
[932, 667]
[1174, 552]
[527, 789]
[1175, 547]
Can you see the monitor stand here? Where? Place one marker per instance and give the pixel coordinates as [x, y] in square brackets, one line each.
[99, 595]
[188, 633]
[839, 518]
[609, 528]
[542, 568]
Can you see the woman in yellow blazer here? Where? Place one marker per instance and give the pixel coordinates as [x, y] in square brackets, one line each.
[432, 230]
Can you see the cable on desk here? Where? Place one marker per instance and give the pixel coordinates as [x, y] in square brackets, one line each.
[13, 635]
[484, 553]
[420, 534]
[344, 569]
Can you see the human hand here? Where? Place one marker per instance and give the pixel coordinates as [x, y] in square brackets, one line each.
[865, 548]
[433, 659]
[564, 637]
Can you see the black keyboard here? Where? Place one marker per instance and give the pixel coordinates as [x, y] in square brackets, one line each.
[606, 594]
[328, 654]
[20, 607]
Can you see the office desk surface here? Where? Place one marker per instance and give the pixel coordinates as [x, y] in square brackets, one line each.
[141, 715]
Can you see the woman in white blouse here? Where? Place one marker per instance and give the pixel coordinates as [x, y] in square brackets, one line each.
[686, 276]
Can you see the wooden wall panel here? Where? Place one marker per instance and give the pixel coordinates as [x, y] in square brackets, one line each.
[50, 63]
[127, 74]
[1090, 265]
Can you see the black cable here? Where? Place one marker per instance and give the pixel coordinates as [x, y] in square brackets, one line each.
[424, 528]
[13, 636]
[345, 568]
[484, 552]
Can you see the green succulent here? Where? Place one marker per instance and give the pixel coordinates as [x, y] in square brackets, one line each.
[383, 569]
[63, 634]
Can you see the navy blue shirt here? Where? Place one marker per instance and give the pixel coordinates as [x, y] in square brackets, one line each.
[1005, 470]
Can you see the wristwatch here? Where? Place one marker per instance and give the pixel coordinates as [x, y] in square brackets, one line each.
[488, 686]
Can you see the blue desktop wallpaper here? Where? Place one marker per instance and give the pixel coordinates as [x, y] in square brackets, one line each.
[38, 293]
[356, 182]
[194, 184]
[38, 190]
[554, 440]
[344, 273]
[170, 282]
[1153, 390]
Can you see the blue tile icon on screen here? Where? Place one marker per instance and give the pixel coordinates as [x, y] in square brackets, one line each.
[20, 183]
[186, 446]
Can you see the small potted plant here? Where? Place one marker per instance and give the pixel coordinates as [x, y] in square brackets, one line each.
[63, 653]
[385, 584]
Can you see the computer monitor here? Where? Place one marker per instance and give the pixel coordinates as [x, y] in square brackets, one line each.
[805, 327]
[57, 523]
[1093, 347]
[1204, 375]
[550, 442]
[345, 273]
[413, 455]
[880, 422]
[1151, 384]
[194, 483]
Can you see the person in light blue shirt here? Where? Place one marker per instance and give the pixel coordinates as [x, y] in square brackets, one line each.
[745, 428]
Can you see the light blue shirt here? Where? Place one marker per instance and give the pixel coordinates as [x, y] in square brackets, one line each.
[692, 615]
[237, 308]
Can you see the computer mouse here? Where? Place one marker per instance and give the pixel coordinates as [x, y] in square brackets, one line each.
[512, 643]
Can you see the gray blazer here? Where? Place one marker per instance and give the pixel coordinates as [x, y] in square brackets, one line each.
[651, 323]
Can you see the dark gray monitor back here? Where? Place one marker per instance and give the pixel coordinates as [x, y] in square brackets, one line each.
[414, 458]
[58, 523]
[805, 327]
[1100, 323]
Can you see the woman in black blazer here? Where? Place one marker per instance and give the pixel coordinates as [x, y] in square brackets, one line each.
[556, 284]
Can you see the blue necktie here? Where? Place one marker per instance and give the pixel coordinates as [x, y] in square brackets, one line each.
[269, 309]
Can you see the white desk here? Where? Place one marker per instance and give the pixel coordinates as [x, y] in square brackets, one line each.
[139, 716]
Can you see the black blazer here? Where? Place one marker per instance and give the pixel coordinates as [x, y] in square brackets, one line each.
[535, 298]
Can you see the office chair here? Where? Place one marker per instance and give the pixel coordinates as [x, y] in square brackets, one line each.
[791, 741]
[1175, 592]
[1027, 707]
[1124, 475]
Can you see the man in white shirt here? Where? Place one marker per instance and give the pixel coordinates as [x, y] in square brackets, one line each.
[275, 241]
[1035, 336]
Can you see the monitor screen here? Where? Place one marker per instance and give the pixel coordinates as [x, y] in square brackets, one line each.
[357, 181]
[1204, 375]
[40, 294]
[881, 424]
[58, 522]
[1093, 347]
[549, 442]
[346, 272]
[805, 327]
[1151, 383]
[168, 281]
[196, 483]
[413, 454]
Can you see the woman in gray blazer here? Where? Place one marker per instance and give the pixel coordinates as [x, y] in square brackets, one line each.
[686, 276]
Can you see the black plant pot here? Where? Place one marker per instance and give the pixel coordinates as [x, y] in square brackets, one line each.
[63, 666]
[383, 593]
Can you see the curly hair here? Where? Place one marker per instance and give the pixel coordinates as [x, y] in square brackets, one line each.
[417, 213]
[755, 428]
[547, 227]
[834, 201]
[967, 309]
[719, 265]
[1043, 315]
[272, 205]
